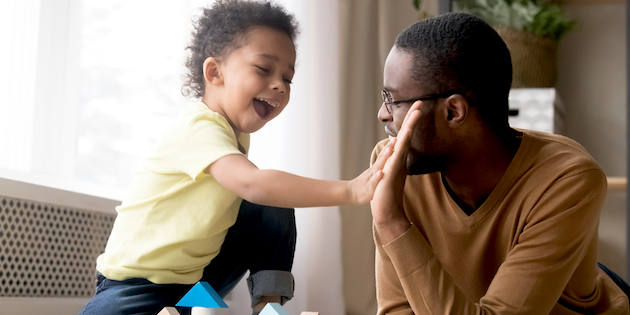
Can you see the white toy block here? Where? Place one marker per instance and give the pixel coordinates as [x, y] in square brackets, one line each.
[202, 311]
[169, 310]
[273, 309]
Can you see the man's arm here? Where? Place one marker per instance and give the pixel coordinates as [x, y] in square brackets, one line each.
[390, 296]
[534, 273]
[414, 276]
[390, 221]
[387, 206]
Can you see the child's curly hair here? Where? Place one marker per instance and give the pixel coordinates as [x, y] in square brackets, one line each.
[219, 30]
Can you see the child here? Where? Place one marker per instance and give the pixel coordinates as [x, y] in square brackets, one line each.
[184, 220]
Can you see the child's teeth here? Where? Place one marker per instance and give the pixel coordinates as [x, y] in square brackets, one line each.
[274, 104]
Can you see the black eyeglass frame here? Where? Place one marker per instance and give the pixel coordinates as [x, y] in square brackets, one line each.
[388, 100]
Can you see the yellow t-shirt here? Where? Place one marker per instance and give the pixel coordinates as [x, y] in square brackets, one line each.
[175, 217]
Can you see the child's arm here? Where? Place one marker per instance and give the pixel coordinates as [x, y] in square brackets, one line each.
[281, 189]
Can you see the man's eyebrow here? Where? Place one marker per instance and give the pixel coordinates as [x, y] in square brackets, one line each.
[276, 58]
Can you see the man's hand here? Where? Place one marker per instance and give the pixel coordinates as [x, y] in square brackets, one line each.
[387, 204]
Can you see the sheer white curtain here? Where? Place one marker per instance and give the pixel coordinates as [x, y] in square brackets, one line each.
[86, 86]
[305, 140]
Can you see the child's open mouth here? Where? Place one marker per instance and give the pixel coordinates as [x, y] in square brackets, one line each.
[264, 107]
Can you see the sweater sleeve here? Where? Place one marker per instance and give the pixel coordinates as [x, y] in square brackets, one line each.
[548, 248]
[410, 278]
[390, 296]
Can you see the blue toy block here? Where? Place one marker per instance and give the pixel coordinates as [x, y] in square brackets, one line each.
[273, 309]
[202, 295]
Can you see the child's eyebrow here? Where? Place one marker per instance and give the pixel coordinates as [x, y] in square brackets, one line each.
[276, 58]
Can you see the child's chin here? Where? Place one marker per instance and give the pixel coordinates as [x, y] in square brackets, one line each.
[254, 128]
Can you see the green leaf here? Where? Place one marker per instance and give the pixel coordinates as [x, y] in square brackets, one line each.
[540, 17]
[416, 4]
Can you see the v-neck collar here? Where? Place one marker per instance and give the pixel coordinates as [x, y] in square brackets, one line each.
[460, 203]
[510, 175]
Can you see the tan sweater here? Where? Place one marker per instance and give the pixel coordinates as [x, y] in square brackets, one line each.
[531, 248]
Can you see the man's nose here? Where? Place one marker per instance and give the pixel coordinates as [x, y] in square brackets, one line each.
[383, 114]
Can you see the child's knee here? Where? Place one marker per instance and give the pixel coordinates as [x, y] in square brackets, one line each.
[279, 222]
[271, 283]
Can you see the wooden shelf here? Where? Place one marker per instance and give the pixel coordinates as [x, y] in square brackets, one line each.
[617, 184]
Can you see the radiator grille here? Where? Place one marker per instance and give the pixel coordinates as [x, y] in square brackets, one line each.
[48, 250]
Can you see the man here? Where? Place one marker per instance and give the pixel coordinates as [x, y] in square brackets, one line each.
[489, 220]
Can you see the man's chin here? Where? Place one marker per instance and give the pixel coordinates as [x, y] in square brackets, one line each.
[417, 166]
[417, 171]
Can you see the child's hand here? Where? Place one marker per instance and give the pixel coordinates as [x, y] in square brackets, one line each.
[362, 188]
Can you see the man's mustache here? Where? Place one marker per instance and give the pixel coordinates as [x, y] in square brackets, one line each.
[390, 130]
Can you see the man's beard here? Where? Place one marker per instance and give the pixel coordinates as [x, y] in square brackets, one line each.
[424, 158]
[423, 164]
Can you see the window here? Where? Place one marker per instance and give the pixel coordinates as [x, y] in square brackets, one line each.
[87, 86]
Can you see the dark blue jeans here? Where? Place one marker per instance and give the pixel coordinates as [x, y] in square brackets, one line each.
[262, 241]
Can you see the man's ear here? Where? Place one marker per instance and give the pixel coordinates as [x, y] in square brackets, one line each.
[211, 71]
[457, 110]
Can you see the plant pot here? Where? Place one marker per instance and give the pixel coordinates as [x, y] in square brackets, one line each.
[533, 58]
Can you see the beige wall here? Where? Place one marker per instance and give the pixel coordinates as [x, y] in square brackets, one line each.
[368, 31]
[592, 85]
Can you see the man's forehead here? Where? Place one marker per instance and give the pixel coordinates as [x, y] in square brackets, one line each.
[397, 71]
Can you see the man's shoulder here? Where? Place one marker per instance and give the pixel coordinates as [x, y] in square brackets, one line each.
[549, 160]
[553, 139]
[554, 148]
[377, 149]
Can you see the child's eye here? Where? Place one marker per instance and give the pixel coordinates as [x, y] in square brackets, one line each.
[263, 69]
[288, 81]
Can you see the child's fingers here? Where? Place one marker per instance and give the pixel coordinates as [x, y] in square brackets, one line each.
[384, 154]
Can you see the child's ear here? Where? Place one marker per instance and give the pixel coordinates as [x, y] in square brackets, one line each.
[211, 71]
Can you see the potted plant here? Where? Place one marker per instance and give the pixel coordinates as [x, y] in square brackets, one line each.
[531, 30]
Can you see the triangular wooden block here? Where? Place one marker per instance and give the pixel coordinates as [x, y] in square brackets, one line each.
[273, 309]
[202, 295]
[309, 313]
[169, 310]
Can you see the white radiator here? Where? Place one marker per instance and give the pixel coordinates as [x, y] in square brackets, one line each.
[49, 241]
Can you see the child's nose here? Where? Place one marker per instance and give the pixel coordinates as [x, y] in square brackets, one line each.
[279, 85]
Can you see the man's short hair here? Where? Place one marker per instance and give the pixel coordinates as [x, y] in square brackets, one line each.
[459, 51]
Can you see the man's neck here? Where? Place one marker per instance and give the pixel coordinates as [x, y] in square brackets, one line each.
[473, 176]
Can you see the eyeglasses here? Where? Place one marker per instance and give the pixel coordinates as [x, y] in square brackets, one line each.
[388, 100]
